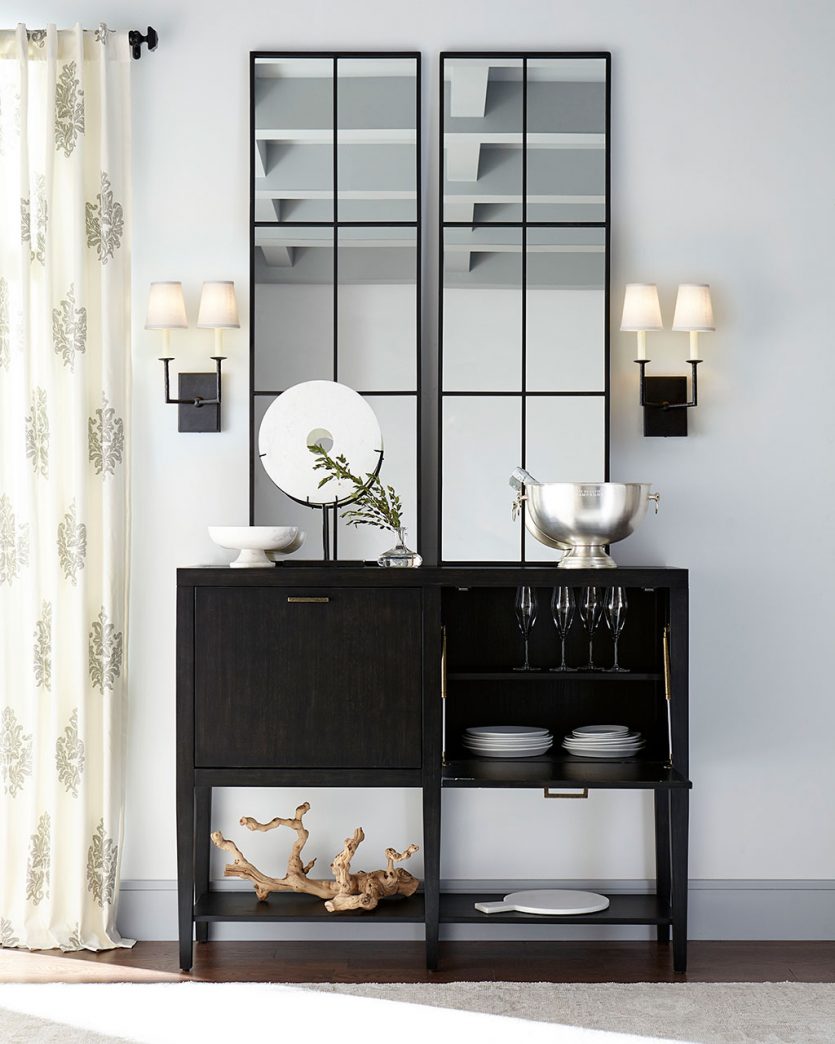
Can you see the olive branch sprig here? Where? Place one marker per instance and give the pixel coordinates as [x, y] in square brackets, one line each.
[374, 503]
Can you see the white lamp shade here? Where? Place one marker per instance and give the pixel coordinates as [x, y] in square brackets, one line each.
[641, 310]
[693, 308]
[166, 307]
[218, 306]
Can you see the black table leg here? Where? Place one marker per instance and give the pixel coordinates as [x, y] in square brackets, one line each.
[202, 850]
[185, 867]
[432, 871]
[662, 857]
[680, 804]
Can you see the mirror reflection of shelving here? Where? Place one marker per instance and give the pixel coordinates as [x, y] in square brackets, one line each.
[523, 328]
[336, 259]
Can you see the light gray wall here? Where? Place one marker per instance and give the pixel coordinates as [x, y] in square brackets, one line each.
[722, 159]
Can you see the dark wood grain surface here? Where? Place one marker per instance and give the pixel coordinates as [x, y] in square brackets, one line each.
[345, 574]
[404, 962]
[280, 680]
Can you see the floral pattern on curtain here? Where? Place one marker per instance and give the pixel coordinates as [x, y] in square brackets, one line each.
[64, 397]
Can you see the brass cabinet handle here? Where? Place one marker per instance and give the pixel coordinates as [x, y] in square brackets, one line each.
[584, 793]
[318, 599]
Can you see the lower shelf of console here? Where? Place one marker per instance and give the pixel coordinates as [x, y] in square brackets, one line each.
[291, 906]
[458, 908]
[455, 908]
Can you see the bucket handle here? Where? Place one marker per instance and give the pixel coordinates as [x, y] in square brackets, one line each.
[518, 501]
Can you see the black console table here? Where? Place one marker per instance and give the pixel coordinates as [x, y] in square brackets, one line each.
[342, 675]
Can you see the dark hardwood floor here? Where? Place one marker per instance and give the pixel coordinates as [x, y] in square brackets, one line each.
[403, 962]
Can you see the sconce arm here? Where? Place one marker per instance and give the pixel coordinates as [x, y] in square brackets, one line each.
[692, 401]
[197, 401]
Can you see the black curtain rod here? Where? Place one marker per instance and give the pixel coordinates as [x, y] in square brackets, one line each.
[136, 39]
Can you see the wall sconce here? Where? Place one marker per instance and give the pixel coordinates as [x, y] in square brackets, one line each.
[665, 399]
[198, 394]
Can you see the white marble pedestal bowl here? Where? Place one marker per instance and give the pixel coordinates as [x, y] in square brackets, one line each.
[254, 543]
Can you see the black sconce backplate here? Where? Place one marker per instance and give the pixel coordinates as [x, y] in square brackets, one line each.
[198, 418]
[658, 421]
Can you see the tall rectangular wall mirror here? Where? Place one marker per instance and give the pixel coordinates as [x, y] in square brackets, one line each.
[335, 259]
[524, 288]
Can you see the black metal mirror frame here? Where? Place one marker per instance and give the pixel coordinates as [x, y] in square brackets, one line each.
[336, 225]
[523, 226]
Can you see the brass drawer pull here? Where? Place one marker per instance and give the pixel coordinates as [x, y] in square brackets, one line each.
[318, 599]
[584, 793]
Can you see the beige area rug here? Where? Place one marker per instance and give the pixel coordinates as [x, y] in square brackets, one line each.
[598, 1013]
[698, 1013]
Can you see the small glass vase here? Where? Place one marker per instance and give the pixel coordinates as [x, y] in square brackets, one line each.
[399, 556]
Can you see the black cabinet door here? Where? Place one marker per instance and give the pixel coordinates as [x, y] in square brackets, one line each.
[307, 678]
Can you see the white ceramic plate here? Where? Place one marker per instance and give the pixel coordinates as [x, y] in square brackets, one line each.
[507, 730]
[536, 741]
[602, 738]
[512, 753]
[510, 741]
[624, 741]
[498, 746]
[509, 750]
[601, 730]
[633, 737]
[613, 755]
[603, 750]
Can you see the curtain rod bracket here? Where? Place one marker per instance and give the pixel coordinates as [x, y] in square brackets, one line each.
[136, 39]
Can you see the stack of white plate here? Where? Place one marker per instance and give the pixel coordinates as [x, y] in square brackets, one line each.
[507, 741]
[603, 741]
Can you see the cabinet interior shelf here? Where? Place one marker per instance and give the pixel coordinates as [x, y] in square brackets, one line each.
[558, 771]
[554, 676]
[458, 908]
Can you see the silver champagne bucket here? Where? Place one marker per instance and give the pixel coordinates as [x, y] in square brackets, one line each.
[580, 518]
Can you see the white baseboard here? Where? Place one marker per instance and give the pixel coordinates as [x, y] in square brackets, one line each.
[732, 909]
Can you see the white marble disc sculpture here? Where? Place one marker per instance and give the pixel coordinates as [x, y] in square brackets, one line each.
[551, 902]
[323, 413]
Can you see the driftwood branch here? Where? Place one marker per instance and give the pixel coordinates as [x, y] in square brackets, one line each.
[347, 891]
[367, 889]
[294, 863]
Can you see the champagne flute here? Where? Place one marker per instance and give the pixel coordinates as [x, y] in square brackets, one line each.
[591, 609]
[615, 609]
[562, 611]
[526, 606]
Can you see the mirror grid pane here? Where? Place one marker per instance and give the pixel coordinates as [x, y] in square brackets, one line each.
[335, 259]
[524, 280]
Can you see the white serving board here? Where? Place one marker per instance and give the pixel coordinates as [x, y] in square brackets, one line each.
[552, 902]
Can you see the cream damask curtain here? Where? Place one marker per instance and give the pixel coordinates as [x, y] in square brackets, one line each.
[64, 395]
